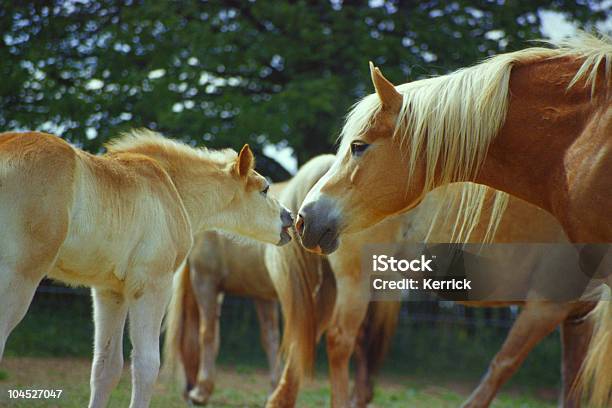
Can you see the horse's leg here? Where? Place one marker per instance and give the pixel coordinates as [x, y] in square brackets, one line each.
[16, 293]
[267, 313]
[146, 313]
[110, 311]
[363, 389]
[349, 312]
[575, 336]
[206, 293]
[189, 339]
[220, 299]
[536, 321]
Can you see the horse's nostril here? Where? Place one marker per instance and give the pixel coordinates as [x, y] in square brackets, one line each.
[299, 224]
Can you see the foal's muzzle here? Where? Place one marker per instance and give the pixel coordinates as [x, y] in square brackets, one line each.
[287, 224]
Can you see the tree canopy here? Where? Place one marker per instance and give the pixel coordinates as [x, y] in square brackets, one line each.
[223, 73]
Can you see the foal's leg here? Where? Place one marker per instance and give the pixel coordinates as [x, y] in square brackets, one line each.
[16, 292]
[267, 313]
[351, 306]
[206, 291]
[146, 315]
[110, 311]
[575, 336]
[536, 321]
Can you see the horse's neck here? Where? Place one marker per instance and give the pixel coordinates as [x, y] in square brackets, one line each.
[199, 189]
[529, 156]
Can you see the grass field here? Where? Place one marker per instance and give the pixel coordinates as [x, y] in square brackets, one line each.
[237, 386]
[430, 365]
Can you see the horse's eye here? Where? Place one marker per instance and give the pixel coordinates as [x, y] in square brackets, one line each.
[358, 147]
[264, 192]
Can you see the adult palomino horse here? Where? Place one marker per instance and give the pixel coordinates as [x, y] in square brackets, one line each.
[534, 123]
[217, 265]
[121, 223]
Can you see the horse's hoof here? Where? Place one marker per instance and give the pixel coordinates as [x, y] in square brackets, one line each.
[196, 397]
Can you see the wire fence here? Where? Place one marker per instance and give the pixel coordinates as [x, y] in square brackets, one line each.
[427, 311]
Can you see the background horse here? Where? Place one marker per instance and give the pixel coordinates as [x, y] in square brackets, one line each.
[534, 123]
[121, 223]
[217, 265]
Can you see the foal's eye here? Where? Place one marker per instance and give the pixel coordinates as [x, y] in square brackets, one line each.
[264, 192]
[358, 147]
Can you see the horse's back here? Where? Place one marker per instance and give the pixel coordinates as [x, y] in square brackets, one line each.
[36, 189]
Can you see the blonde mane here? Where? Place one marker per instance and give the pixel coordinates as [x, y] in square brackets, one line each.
[148, 142]
[449, 121]
[301, 278]
[470, 201]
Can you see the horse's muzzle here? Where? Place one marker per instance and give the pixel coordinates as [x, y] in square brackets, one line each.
[317, 227]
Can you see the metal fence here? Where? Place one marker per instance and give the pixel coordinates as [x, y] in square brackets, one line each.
[427, 311]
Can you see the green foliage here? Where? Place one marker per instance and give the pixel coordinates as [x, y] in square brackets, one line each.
[235, 71]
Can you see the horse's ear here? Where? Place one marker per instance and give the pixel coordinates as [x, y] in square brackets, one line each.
[389, 96]
[245, 161]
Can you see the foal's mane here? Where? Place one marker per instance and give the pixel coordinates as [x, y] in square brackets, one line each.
[151, 143]
[449, 121]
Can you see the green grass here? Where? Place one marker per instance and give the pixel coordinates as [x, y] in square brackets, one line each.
[235, 388]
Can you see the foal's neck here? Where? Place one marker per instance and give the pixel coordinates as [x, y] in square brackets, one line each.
[544, 119]
[199, 183]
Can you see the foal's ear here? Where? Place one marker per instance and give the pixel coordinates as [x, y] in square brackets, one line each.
[245, 161]
[389, 96]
